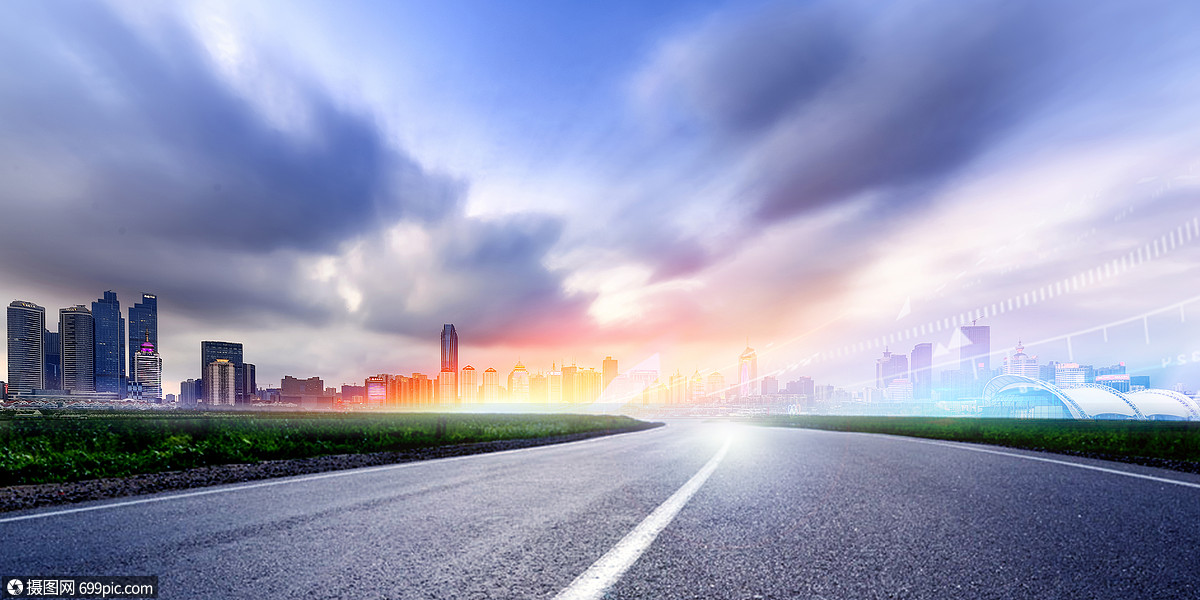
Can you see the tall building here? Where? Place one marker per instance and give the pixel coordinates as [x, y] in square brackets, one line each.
[973, 354]
[447, 387]
[569, 385]
[450, 355]
[1021, 364]
[554, 385]
[696, 388]
[715, 387]
[491, 386]
[468, 389]
[376, 391]
[148, 372]
[26, 347]
[220, 383]
[770, 385]
[587, 385]
[802, 387]
[76, 328]
[608, 370]
[518, 384]
[249, 383]
[230, 351]
[143, 326]
[110, 345]
[676, 388]
[539, 389]
[53, 362]
[921, 370]
[1068, 375]
[309, 392]
[747, 373]
[891, 366]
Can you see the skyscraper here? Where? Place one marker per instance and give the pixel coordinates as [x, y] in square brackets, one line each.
[148, 371]
[110, 345]
[447, 387]
[26, 347]
[973, 355]
[230, 351]
[568, 384]
[53, 362]
[608, 369]
[450, 355]
[921, 370]
[469, 388]
[748, 373]
[76, 328]
[143, 326]
[249, 382]
[518, 384]
[491, 386]
[220, 378]
[715, 387]
[891, 366]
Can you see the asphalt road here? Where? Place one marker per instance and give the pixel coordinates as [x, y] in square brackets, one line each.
[785, 514]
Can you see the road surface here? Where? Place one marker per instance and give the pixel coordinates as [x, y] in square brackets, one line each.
[691, 510]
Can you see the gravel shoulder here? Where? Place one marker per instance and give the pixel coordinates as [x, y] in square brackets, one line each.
[21, 497]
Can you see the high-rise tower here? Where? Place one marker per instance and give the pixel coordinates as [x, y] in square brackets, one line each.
[230, 351]
[76, 328]
[26, 347]
[143, 325]
[748, 373]
[973, 355]
[921, 370]
[450, 359]
[110, 344]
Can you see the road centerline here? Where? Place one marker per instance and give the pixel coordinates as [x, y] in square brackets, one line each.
[605, 572]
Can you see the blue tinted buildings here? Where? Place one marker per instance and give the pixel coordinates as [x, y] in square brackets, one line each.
[143, 325]
[110, 344]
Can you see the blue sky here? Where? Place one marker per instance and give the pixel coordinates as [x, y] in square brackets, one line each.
[330, 182]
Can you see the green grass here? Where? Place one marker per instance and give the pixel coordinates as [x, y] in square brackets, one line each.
[1170, 440]
[61, 446]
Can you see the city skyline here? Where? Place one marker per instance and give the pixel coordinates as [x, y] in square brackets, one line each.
[329, 185]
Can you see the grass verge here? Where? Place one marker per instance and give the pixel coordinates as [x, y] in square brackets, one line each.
[61, 447]
[1130, 441]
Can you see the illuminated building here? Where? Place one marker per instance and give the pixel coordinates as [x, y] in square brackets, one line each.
[518, 384]
[1068, 375]
[891, 366]
[539, 389]
[110, 346]
[220, 384]
[608, 370]
[555, 385]
[147, 371]
[143, 326]
[1116, 381]
[376, 391]
[569, 385]
[747, 373]
[696, 388]
[715, 387]
[676, 389]
[26, 347]
[449, 364]
[468, 390]
[920, 370]
[491, 386]
[587, 385]
[76, 329]
[447, 387]
[1021, 364]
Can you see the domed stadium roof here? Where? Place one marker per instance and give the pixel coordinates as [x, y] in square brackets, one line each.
[1092, 401]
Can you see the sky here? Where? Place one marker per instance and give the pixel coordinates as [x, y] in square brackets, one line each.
[330, 182]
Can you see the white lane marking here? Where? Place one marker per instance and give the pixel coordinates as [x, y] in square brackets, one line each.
[606, 571]
[272, 482]
[1053, 461]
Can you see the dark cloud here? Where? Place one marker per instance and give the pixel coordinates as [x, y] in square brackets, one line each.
[169, 150]
[489, 279]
